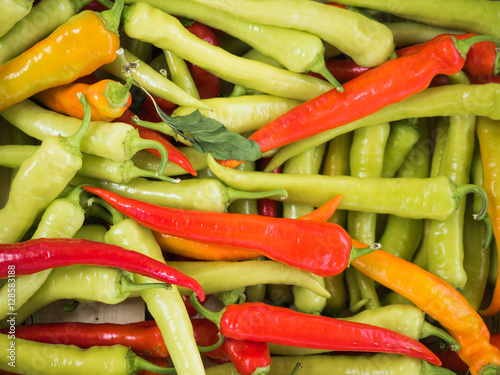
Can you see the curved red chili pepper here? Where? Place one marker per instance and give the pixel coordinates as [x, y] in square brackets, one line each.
[174, 155]
[261, 322]
[248, 357]
[322, 248]
[208, 84]
[365, 94]
[25, 258]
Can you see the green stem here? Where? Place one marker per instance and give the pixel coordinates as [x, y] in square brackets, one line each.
[138, 364]
[355, 252]
[160, 127]
[115, 216]
[128, 286]
[108, 4]
[235, 194]
[73, 141]
[427, 329]
[209, 348]
[428, 369]
[137, 143]
[112, 17]
[71, 307]
[296, 369]
[464, 45]
[214, 317]
[490, 369]
[117, 94]
[465, 189]
[321, 68]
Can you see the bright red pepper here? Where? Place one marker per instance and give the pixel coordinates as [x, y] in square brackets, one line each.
[174, 155]
[322, 248]
[261, 322]
[208, 84]
[366, 94]
[25, 258]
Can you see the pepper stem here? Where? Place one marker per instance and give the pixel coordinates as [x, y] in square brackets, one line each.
[73, 141]
[114, 216]
[112, 17]
[463, 45]
[138, 364]
[235, 194]
[209, 348]
[296, 369]
[160, 127]
[128, 286]
[117, 94]
[136, 143]
[489, 232]
[320, 68]
[490, 369]
[428, 369]
[358, 252]
[427, 329]
[214, 317]
[465, 189]
[132, 171]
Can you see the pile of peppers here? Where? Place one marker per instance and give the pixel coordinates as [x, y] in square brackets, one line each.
[288, 187]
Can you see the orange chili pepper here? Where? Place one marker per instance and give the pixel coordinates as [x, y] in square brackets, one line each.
[208, 251]
[108, 99]
[77, 48]
[440, 301]
[488, 134]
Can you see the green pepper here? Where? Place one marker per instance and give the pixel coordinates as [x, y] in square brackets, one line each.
[447, 100]
[30, 357]
[85, 284]
[416, 198]
[143, 22]
[408, 32]
[40, 179]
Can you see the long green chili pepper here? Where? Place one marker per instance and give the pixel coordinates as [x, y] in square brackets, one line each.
[30, 357]
[408, 320]
[245, 113]
[83, 283]
[296, 50]
[386, 364]
[143, 22]
[13, 11]
[448, 100]
[402, 137]
[370, 45]
[408, 33]
[416, 198]
[445, 253]
[38, 24]
[205, 194]
[180, 74]
[481, 17]
[111, 140]
[151, 80]
[165, 305]
[56, 162]
[401, 235]
[62, 218]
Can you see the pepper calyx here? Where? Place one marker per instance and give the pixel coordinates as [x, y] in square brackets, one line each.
[463, 45]
[490, 369]
[214, 317]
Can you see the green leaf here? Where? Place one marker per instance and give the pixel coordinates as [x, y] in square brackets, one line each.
[209, 135]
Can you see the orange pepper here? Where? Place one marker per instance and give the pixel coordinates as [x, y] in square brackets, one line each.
[108, 99]
[75, 49]
[440, 301]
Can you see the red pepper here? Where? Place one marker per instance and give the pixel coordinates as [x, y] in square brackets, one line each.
[143, 338]
[386, 84]
[25, 258]
[266, 206]
[208, 84]
[174, 155]
[149, 112]
[322, 248]
[261, 322]
[248, 357]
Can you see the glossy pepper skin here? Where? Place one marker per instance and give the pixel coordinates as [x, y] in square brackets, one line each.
[108, 99]
[75, 49]
[38, 254]
[440, 301]
[262, 322]
[279, 239]
[365, 94]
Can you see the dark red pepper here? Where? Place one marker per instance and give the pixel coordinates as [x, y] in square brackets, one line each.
[149, 112]
[260, 322]
[266, 206]
[31, 256]
[208, 84]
